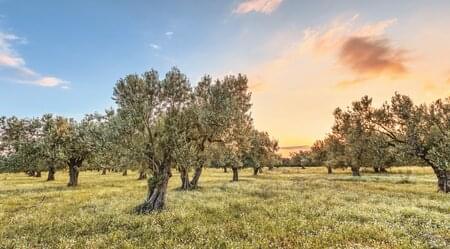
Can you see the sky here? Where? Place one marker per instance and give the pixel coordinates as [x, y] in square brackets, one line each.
[303, 58]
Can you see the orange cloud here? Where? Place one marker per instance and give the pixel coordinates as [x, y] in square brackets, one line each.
[262, 6]
[330, 38]
[371, 56]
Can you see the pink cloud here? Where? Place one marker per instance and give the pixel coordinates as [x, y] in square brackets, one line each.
[262, 6]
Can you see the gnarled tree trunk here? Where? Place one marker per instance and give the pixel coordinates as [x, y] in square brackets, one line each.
[225, 169]
[355, 171]
[235, 174]
[197, 173]
[104, 171]
[184, 175]
[73, 174]
[38, 173]
[255, 171]
[330, 170]
[443, 179]
[125, 173]
[51, 173]
[157, 189]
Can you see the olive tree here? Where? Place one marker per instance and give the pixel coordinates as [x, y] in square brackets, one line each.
[22, 145]
[261, 151]
[422, 130]
[153, 106]
[78, 142]
[220, 114]
[352, 128]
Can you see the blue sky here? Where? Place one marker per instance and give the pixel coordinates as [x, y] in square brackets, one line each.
[64, 57]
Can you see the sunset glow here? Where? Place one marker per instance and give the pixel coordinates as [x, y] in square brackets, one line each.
[300, 65]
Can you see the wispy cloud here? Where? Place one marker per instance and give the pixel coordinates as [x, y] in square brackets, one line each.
[169, 34]
[155, 46]
[49, 81]
[262, 6]
[11, 60]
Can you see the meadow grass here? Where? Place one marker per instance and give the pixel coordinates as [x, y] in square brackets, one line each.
[283, 208]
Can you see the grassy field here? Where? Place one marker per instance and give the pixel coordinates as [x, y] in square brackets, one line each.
[284, 208]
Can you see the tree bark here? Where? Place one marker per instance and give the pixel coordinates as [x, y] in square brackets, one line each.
[31, 172]
[104, 171]
[383, 170]
[125, 172]
[197, 173]
[184, 175]
[38, 173]
[376, 169]
[51, 173]
[142, 175]
[255, 171]
[355, 171]
[225, 169]
[330, 170]
[235, 174]
[443, 180]
[157, 189]
[442, 175]
[73, 174]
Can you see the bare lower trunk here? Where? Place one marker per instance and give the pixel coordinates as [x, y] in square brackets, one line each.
[104, 171]
[184, 175]
[157, 189]
[270, 167]
[383, 170]
[197, 173]
[355, 171]
[443, 180]
[38, 174]
[376, 169]
[225, 169]
[330, 170]
[31, 172]
[125, 173]
[73, 175]
[235, 174]
[51, 173]
[142, 175]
